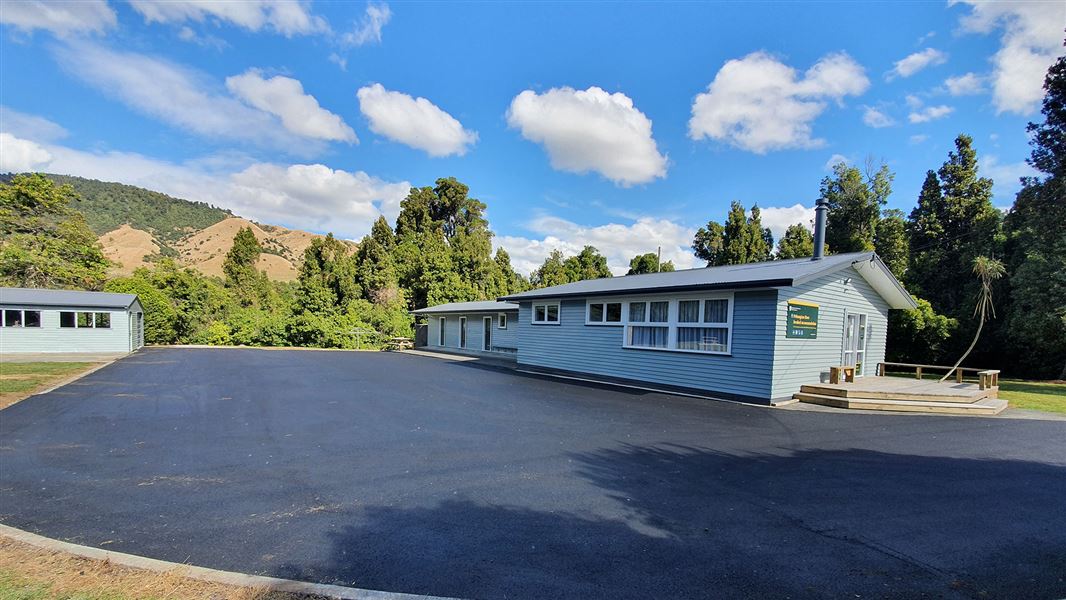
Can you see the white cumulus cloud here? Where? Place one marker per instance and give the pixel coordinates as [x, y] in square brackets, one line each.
[965, 85]
[835, 160]
[911, 64]
[19, 155]
[284, 98]
[61, 18]
[616, 241]
[287, 17]
[416, 122]
[779, 218]
[929, 113]
[1031, 40]
[590, 130]
[315, 197]
[875, 118]
[757, 103]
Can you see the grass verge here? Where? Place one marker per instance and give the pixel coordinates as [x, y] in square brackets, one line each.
[31, 573]
[19, 380]
[1048, 396]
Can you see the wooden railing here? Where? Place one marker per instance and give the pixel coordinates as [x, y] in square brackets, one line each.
[986, 378]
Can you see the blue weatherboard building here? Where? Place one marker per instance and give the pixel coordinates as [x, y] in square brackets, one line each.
[754, 332]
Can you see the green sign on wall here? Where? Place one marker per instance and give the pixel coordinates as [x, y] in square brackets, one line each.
[802, 320]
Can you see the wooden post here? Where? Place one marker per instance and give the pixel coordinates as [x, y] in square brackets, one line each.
[919, 372]
[958, 375]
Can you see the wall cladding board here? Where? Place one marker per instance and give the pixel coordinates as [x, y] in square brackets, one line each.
[800, 361]
[597, 350]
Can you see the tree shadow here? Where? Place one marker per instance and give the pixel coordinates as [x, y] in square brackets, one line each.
[685, 522]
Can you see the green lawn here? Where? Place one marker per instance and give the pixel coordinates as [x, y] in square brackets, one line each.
[18, 380]
[1034, 395]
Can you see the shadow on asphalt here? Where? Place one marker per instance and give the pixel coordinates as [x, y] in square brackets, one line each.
[699, 523]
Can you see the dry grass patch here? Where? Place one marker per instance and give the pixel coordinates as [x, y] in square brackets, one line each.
[21, 380]
[31, 573]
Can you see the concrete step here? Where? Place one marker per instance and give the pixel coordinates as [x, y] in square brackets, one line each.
[960, 396]
[984, 406]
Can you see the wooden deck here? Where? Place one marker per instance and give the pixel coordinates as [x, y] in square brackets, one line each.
[905, 395]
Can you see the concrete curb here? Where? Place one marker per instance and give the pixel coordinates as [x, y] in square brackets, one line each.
[205, 574]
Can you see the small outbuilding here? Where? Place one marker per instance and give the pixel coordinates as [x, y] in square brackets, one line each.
[37, 320]
[753, 332]
[483, 328]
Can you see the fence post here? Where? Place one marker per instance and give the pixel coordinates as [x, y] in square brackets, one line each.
[919, 372]
[958, 375]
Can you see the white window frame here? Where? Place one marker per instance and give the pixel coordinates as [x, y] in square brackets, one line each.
[604, 323]
[92, 319]
[22, 318]
[501, 321]
[558, 312]
[672, 322]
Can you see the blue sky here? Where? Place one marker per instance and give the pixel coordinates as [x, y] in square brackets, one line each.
[626, 126]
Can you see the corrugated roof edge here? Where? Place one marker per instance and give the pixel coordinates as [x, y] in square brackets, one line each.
[58, 298]
[880, 278]
[459, 307]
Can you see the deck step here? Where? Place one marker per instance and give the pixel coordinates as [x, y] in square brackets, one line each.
[984, 406]
[960, 396]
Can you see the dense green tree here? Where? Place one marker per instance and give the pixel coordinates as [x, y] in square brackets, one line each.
[709, 243]
[444, 246]
[327, 281]
[919, 335]
[1036, 244]
[587, 264]
[160, 314]
[798, 242]
[512, 281]
[949, 229]
[740, 240]
[248, 285]
[890, 241]
[648, 263]
[855, 203]
[551, 272]
[44, 242]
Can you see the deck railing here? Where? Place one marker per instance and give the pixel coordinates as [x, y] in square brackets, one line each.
[986, 378]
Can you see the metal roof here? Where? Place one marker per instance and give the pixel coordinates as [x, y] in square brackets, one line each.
[75, 298]
[458, 307]
[774, 273]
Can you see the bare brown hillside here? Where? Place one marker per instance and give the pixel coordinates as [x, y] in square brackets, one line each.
[206, 249]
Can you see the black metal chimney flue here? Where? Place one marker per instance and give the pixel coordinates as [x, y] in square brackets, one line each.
[821, 207]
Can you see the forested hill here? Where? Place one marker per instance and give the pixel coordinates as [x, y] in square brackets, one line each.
[108, 205]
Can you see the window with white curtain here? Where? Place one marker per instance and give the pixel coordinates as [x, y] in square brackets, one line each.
[649, 324]
[684, 324]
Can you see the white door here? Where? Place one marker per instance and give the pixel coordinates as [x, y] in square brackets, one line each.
[462, 332]
[486, 343]
[855, 342]
[440, 331]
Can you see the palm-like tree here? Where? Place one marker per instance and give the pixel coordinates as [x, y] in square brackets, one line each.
[988, 270]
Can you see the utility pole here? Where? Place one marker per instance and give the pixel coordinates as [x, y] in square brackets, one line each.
[659, 260]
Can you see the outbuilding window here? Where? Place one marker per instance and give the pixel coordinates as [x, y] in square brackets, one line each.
[546, 314]
[501, 321]
[21, 318]
[85, 320]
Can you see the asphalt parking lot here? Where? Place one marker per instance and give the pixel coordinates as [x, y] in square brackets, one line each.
[412, 474]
